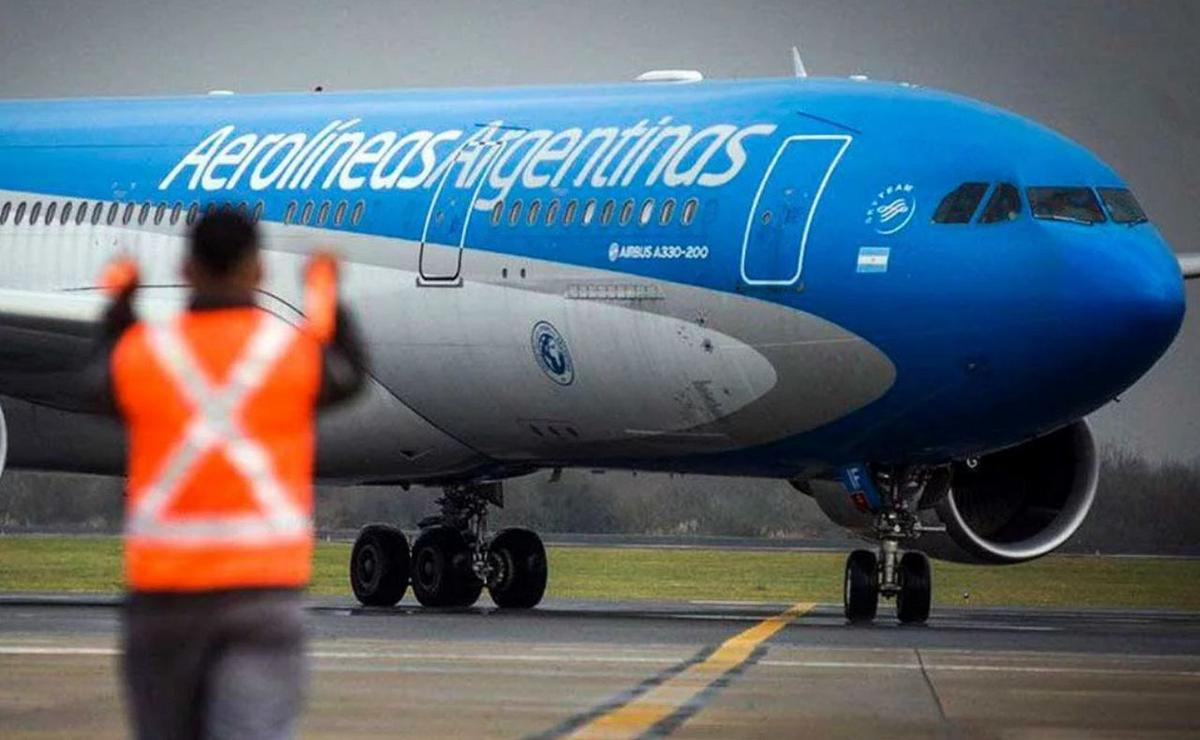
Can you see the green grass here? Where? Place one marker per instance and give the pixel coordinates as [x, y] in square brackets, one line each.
[93, 564]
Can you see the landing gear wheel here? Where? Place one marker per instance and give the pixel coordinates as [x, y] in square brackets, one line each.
[518, 561]
[916, 582]
[441, 569]
[379, 565]
[861, 593]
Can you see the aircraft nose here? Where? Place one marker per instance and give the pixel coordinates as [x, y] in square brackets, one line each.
[1131, 304]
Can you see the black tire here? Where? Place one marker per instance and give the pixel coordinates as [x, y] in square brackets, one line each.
[860, 595]
[518, 560]
[441, 569]
[916, 588]
[379, 565]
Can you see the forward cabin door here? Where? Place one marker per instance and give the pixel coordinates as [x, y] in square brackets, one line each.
[785, 206]
[451, 209]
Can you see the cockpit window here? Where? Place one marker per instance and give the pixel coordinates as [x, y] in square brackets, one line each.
[960, 204]
[1004, 205]
[1077, 205]
[1122, 206]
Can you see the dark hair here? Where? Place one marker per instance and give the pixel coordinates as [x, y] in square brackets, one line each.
[222, 239]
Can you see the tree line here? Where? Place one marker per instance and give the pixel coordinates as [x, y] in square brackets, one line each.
[1141, 506]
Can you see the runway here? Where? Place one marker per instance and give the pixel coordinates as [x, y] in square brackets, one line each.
[603, 669]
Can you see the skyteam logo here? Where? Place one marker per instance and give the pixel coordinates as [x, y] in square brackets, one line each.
[550, 351]
[892, 209]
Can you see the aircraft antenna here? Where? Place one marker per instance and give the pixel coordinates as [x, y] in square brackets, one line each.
[798, 63]
[670, 75]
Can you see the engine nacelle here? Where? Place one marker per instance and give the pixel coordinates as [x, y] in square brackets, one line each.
[1014, 505]
[1018, 504]
[3, 441]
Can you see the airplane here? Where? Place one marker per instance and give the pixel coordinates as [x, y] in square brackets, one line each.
[904, 302]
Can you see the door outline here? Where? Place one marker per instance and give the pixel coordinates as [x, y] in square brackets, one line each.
[455, 279]
[846, 140]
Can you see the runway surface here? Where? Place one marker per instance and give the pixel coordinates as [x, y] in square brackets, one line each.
[602, 669]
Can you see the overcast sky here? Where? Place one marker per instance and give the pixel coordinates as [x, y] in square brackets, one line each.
[1123, 78]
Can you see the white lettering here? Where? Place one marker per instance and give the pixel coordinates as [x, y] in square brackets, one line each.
[197, 158]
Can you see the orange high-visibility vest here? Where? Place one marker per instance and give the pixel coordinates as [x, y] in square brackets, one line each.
[219, 407]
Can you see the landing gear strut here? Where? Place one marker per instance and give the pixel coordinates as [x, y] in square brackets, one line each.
[890, 573]
[453, 559]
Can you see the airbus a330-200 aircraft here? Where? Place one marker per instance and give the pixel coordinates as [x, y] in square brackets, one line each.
[902, 301]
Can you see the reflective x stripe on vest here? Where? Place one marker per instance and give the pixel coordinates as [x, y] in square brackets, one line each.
[216, 424]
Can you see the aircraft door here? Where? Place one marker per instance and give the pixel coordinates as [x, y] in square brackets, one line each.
[448, 219]
[784, 208]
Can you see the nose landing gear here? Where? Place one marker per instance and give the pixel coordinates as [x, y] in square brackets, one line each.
[453, 559]
[906, 576]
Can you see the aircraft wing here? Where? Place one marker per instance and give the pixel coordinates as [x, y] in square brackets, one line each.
[1190, 265]
[45, 338]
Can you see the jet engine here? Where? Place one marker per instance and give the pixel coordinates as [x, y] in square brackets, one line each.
[3, 441]
[1006, 507]
[1020, 503]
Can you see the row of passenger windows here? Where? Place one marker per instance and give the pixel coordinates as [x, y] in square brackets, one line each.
[160, 214]
[319, 215]
[558, 213]
[1074, 204]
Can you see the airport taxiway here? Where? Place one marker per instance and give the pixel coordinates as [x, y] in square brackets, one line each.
[606, 669]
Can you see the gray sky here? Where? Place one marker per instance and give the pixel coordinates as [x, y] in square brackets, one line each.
[1120, 77]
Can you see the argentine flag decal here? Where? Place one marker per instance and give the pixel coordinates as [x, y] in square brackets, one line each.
[873, 259]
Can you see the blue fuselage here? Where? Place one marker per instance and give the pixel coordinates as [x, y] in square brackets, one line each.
[817, 196]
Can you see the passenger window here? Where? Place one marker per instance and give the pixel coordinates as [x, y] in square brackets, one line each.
[34, 213]
[569, 212]
[4, 211]
[97, 213]
[81, 212]
[65, 216]
[647, 211]
[323, 214]
[176, 211]
[514, 212]
[690, 206]
[626, 211]
[551, 212]
[959, 206]
[20, 214]
[1074, 204]
[290, 214]
[50, 211]
[589, 212]
[306, 214]
[1122, 206]
[1004, 205]
[535, 207]
[144, 213]
[606, 213]
[668, 210]
[357, 214]
[339, 215]
[159, 213]
[112, 213]
[193, 213]
[497, 212]
[259, 207]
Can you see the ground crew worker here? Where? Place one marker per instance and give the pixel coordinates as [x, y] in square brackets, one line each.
[219, 405]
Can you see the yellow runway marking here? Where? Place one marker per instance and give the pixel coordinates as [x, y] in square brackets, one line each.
[645, 712]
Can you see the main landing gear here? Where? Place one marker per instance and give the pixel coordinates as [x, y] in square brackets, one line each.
[453, 558]
[904, 576]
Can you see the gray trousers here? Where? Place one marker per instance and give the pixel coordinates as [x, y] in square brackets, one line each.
[226, 664]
